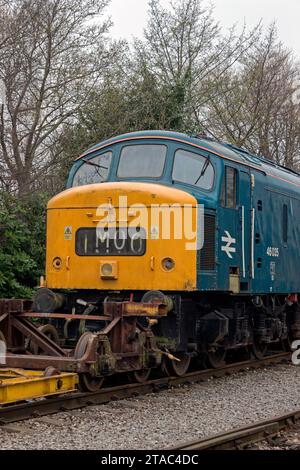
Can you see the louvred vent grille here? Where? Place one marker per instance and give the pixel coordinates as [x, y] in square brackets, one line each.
[207, 254]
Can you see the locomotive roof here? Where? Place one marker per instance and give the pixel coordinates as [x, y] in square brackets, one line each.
[222, 149]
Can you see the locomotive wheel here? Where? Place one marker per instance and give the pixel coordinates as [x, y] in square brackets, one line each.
[216, 359]
[50, 331]
[178, 368]
[87, 383]
[140, 376]
[259, 350]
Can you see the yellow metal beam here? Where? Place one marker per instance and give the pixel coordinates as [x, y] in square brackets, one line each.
[18, 385]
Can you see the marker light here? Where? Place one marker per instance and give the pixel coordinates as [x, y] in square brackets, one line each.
[109, 270]
[57, 263]
[168, 264]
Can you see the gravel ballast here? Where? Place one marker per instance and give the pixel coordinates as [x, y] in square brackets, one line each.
[164, 419]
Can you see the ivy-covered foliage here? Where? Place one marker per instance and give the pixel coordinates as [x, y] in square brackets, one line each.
[22, 244]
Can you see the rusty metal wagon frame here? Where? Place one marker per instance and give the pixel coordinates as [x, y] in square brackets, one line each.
[123, 345]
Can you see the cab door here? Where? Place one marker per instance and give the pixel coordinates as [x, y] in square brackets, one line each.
[235, 230]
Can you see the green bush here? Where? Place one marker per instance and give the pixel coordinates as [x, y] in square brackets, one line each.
[22, 244]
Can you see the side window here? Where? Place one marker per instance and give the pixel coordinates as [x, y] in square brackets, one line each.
[93, 170]
[228, 194]
[285, 223]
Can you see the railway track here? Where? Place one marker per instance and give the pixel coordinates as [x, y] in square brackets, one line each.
[245, 436]
[43, 407]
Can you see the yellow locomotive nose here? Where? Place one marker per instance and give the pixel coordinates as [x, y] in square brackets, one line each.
[120, 236]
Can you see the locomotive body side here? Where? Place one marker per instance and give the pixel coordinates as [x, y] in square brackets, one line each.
[259, 236]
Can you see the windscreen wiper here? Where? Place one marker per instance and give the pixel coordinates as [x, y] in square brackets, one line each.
[205, 166]
[94, 164]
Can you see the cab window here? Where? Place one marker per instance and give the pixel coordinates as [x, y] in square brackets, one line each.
[142, 161]
[228, 195]
[93, 170]
[194, 169]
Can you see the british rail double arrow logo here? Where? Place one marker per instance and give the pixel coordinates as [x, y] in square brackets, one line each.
[228, 248]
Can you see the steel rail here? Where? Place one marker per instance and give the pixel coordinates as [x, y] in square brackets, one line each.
[43, 407]
[243, 437]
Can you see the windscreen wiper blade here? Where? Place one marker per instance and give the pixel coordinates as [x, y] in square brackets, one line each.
[205, 166]
[94, 164]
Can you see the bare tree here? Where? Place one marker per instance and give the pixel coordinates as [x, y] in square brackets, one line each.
[52, 55]
[255, 104]
[184, 48]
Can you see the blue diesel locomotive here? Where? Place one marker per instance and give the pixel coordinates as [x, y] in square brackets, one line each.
[241, 290]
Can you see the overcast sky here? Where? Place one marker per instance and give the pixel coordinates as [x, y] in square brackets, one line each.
[130, 16]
